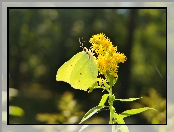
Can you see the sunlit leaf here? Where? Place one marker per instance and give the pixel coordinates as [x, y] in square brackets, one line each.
[91, 112]
[133, 112]
[118, 119]
[129, 99]
[103, 100]
[16, 111]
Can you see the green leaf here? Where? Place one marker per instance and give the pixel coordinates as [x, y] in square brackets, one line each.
[118, 119]
[115, 80]
[103, 100]
[91, 112]
[133, 112]
[129, 99]
[16, 111]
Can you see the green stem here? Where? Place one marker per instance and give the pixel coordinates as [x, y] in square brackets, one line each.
[111, 103]
[110, 107]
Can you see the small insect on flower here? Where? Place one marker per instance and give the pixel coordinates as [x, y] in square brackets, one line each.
[80, 71]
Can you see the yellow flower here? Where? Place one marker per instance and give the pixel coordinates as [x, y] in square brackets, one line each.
[108, 57]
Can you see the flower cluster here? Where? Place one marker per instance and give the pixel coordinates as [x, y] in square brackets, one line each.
[107, 55]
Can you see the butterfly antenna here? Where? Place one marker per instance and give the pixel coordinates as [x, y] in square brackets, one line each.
[84, 48]
[81, 43]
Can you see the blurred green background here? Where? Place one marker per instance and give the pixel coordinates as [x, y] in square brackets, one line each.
[41, 40]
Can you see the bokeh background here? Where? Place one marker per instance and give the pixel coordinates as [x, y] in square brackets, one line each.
[41, 40]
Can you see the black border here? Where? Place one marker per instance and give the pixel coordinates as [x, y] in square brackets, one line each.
[8, 8]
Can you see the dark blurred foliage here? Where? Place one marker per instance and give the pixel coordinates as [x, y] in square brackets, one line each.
[41, 40]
